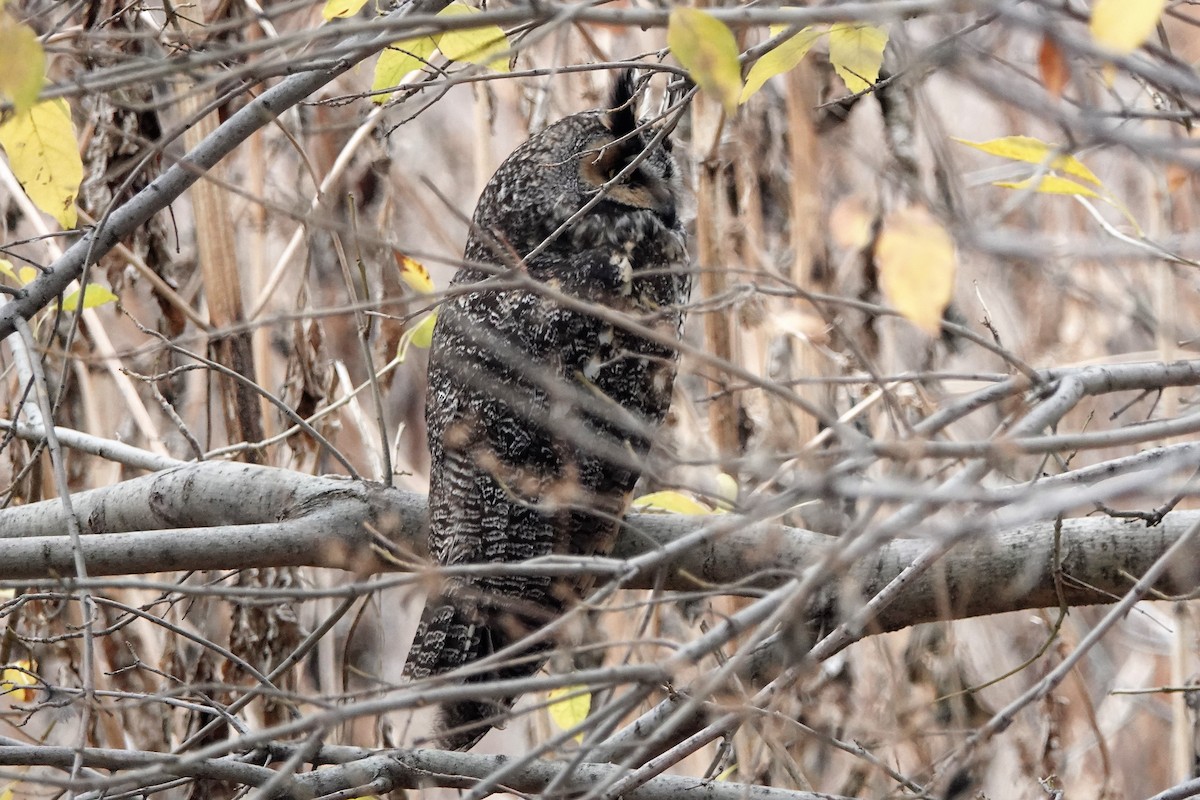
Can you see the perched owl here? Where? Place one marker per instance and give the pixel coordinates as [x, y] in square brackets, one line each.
[540, 411]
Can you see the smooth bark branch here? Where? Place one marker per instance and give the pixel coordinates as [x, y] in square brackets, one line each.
[217, 515]
[384, 772]
[225, 769]
[108, 449]
[211, 515]
[413, 769]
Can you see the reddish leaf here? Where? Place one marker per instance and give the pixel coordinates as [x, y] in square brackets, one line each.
[1055, 70]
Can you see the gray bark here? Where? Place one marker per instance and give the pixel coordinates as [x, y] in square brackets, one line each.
[218, 515]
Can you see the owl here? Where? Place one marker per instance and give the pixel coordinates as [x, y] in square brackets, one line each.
[551, 367]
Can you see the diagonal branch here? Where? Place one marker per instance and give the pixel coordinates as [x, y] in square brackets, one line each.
[160, 193]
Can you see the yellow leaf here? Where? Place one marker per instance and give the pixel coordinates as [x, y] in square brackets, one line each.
[94, 295]
[572, 709]
[915, 258]
[15, 680]
[783, 58]
[7, 794]
[670, 503]
[480, 45]
[1056, 184]
[414, 274]
[396, 61]
[727, 488]
[341, 8]
[1122, 25]
[44, 156]
[727, 773]
[706, 48]
[419, 336]
[856, 53]
[22, 63]
[27, 275]
[6, 268]
[1033, 151]
[851, 223]
[1049, 184]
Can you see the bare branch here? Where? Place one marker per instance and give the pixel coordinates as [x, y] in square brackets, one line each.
[217, 515]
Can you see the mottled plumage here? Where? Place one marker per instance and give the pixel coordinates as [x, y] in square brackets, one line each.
[539, 413]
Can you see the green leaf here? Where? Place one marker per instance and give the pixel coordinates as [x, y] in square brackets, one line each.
[22, 63]
[1050, 184]
[1034, 151]
[789, 53]
[396, 61]
[1122, 25]
[44, 156]
[856, 53]
[706, 48]
[94, 295]
[482, 45]
[341, 8]
[419, 336]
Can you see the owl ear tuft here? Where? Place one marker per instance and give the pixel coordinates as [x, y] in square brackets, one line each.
[621, 119]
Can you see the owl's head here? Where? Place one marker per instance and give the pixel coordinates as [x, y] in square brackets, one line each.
[625, 164]
[562, 169]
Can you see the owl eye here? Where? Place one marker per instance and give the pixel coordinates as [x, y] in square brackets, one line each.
[618, 167]
[598, 168]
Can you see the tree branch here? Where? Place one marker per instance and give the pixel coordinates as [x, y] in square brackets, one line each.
[383, 772]
[160, 193]
[412, 769]
[217, 515]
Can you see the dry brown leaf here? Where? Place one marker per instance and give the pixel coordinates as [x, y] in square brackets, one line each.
[1053, 66]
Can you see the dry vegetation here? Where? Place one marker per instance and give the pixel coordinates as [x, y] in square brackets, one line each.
[280, 263]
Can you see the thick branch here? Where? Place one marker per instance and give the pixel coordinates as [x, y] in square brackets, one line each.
[211, 515]
[382, 773]
[226, 769]
[412, 769]
[217, 515]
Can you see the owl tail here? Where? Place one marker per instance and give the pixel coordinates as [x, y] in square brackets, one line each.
[450, 636]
